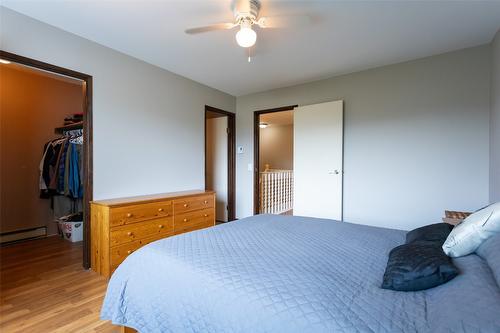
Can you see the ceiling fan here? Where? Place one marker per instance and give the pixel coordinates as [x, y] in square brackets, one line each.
[246, 15]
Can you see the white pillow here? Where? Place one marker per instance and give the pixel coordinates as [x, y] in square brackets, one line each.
[467, 236]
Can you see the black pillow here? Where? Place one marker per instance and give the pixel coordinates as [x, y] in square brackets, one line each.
[418, 266]
[432, 233]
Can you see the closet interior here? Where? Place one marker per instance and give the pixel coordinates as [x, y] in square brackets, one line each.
[42, 155]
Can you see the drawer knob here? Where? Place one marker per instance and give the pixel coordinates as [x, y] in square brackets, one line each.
[160, 226]
[130, 233]
[185, 220]
[185, 205]
[129, 251]
[205, 202]
[129, 214]
[160, 209]
[206, 215]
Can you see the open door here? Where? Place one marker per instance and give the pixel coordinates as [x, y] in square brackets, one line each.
[216, 163]
[29, 65]
[220, 143]
[318, 160]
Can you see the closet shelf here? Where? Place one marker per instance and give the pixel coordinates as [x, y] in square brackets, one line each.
[60, 130]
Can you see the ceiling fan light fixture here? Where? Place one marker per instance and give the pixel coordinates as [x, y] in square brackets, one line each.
[246, 37]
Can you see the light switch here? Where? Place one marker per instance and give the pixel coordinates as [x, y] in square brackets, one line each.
[240, 149]
[250, 167]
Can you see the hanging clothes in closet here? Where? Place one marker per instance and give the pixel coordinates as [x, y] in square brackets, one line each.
[61, 173]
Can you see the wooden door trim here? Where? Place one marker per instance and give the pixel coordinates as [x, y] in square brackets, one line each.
[231, 158]
[256, 151]
[87, 138]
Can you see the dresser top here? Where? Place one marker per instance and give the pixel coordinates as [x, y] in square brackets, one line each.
[151, 198]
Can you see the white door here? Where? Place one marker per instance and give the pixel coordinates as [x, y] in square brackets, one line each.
[216, 164]
[317, 160]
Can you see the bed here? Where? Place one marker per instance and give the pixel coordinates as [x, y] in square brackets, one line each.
[271, 273]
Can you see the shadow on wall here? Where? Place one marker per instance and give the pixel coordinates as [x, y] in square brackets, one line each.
[276, 147]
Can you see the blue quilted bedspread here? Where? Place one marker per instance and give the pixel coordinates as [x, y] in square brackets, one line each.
[290, 274]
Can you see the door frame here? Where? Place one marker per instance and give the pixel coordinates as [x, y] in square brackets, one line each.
[87, 138]
[231, 158]
[256, 151]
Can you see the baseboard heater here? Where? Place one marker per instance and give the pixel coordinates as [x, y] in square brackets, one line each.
[14, 236]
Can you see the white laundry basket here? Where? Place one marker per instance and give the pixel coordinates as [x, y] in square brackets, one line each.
[72, 231]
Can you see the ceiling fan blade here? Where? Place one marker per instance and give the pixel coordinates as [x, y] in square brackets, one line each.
[283, 21]
[212, 27]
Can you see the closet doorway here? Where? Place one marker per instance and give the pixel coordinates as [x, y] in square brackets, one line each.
[74, 130]
[220, 141]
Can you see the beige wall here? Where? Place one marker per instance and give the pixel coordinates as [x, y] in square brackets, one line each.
[148, 122]
[495, 121]
[416, 138]
[276, 147]
[31, 106]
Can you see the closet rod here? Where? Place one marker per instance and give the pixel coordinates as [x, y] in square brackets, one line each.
[60, 130]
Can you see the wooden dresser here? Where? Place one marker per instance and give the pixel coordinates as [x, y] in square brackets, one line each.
[121, 226]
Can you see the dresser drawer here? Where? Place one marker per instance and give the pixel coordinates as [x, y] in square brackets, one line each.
[128, 233]
[194, 203]
[119, 253]
[135, 213]
[194, 220]
[193, 227]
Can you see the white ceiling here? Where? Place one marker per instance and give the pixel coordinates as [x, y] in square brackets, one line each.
[344, 36]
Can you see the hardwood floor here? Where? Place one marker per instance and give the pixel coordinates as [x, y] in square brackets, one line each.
[43, 288]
